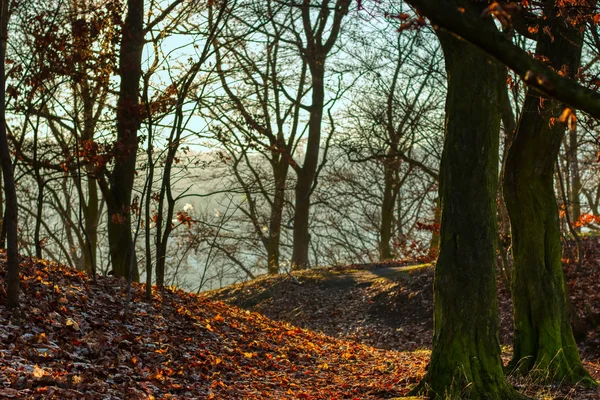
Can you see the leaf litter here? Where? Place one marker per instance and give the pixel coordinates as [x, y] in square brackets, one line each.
[71, 341]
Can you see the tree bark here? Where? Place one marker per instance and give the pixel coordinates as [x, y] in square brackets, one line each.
[91, 215]
[543, 343]
[465, 361]
[125, 149]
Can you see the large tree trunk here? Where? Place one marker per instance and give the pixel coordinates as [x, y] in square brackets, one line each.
[128, 122]
[465, 361]
[543, 341]
[10, 215]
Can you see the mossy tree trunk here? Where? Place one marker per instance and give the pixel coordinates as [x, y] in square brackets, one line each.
[465, 361]
[543, 344]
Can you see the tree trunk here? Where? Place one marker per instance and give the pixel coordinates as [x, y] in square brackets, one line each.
[510, 125]
[315, 54]
[575, 178]
[273, 242]
[306, 174]
[387, 212]
[434, 244]
[2, 226]
[91, 226]
[10, 215]
[39, 216]
[543, 343]
[165, 225]
[125, 149]
[465, 361]
[301, 235]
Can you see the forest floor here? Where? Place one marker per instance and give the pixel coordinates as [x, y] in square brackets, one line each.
[390, 306]
[358, 332]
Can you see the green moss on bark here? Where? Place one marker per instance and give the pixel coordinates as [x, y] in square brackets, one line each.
[465, 361]
[544, 346]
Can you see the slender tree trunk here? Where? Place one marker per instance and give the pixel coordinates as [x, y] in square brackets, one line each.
[10, 215]
[575, 177]
[434, 244]
[2, 226]
[161, 258]
[147, 200]
[274, 240]
[543, 342]
[315, 54]
[510, 125]
[387, 212]
[306, 174]
[91, 217]
[465, 361]
[162, 235]
[125, 149]
[91, 207]
[39, 215]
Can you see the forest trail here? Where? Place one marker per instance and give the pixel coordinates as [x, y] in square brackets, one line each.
[388, 306]
[366, 273]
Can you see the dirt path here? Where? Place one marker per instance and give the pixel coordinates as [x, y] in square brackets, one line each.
[392, 273]
[386, 307]
[391, 306]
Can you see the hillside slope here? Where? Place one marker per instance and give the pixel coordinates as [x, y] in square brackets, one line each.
[391, 306]
[72, 342]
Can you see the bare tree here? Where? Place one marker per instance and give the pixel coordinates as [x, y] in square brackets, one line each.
[10, 194]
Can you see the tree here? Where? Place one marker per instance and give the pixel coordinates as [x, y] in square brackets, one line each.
[179, 92]
[314, 51]
[389, 124]
[10, 194]
[118, 195]
[535, 73]
[465, 360]
[543, 342]
[64, 90]
[257, 125]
